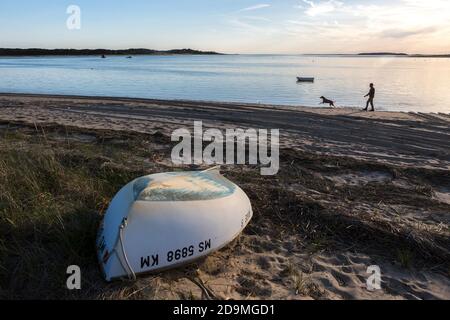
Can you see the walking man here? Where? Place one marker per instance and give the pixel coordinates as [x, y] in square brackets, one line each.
[371, 96]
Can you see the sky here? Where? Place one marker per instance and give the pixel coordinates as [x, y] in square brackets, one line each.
[232, 26]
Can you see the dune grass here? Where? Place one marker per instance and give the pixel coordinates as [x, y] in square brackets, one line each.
[51, 203]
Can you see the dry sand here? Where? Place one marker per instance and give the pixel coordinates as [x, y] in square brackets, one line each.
[350, 152]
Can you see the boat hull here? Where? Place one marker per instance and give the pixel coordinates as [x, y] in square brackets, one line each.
[160, 235]
[300, 79]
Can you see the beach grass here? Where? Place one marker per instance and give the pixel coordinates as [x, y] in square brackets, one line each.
[51, 202]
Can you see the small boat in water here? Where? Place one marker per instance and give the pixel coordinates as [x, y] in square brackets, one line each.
[165, 220]
[305, 79]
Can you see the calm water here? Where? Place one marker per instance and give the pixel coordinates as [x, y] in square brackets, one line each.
[405, 84]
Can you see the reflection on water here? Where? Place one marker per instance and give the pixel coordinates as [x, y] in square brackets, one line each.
[405, 84]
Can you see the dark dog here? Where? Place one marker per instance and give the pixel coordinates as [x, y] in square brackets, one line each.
[327, 101]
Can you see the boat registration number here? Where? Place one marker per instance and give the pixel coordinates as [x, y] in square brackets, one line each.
[176, 255]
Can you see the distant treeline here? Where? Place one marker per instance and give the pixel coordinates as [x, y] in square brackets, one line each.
[405, 55]
[85, 52]
[382, 54]
[429, 55]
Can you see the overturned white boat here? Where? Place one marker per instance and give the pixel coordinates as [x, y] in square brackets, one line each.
[164, 220]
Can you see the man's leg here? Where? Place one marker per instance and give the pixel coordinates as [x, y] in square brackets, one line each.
[367, 105]
[371, 103]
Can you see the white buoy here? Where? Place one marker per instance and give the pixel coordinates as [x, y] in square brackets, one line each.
[165, 220]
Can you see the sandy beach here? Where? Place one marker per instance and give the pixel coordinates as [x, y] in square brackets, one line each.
[355, 189]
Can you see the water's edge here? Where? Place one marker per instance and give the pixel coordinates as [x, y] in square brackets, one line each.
[169, 102]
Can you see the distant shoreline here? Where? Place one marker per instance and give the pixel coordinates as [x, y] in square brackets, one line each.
[17, 52]
[405, 55]
[36, 52]
[379, 54]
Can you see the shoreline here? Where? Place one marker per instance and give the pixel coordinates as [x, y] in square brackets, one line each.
[169, 102]
[148, 100]
[212, 53]
[407, 139]
[19, 52]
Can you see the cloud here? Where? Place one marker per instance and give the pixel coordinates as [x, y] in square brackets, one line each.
[251, 23]
[320, 8]
[351, 26]
[398, 19]
[253, 26]
[256, 18]
[399, 33]
[255, 7]
[242, 25]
